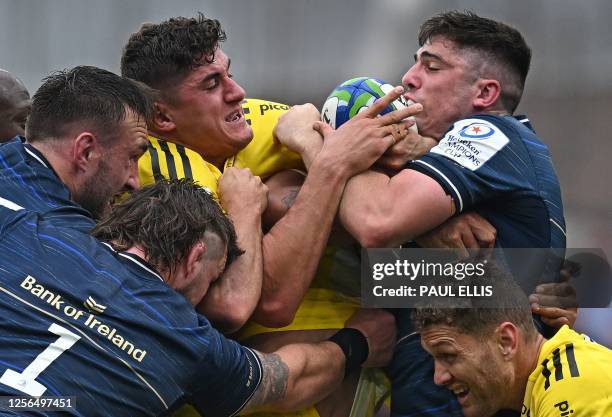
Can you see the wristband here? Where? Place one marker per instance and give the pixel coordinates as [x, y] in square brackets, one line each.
[354, 345]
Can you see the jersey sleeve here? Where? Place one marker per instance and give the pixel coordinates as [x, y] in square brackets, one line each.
[226, 378]
[574, 377]
[265, 155]
[473, 162]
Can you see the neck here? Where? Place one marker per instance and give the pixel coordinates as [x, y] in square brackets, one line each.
[139, 251]
[527, 362]
[499, 112]
[58, 162]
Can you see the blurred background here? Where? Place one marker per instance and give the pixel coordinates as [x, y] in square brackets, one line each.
[298, 51]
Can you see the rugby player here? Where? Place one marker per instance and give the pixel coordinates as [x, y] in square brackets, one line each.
[14, 106]
[85, 321]
[199, 106]
[469, 76]
[494, 359]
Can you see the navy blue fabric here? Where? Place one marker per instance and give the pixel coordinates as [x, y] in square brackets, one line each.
[517, 191]
[141, 348]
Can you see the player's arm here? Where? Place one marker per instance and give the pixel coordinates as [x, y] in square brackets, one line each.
[229, 378]
[377, 209]
[299, 375]
[293, 247]
[380, 211]
[231, 300]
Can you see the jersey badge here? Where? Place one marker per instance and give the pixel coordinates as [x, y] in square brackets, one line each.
[476, 131]
[471, 143]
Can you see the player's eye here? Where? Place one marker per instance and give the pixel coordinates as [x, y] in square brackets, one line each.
[430, 66]
[448, 357]
[211, 83]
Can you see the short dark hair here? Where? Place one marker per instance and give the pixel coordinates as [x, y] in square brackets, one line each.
[496, 40]
[160, 55]
[479, 315]
[166, 219]
[84, 94]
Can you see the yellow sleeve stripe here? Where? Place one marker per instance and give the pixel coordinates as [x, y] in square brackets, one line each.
[169, 160]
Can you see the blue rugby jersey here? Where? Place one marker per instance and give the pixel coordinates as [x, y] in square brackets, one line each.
[496, 166]
[29, 178]
[78, 319]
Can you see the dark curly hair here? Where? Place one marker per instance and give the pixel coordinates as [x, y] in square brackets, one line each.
[166, 219]
[495, 41]
[160, 55]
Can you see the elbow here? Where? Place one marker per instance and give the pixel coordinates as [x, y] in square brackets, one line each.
[374, 233]
[274, 313]
[233, 323]
[229, 320]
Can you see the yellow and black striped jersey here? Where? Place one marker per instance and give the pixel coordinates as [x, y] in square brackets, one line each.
[324, 306]
[264, 155]
[573, 378]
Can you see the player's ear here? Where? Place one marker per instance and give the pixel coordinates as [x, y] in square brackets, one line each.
[163, 119]
[85, 151]
[193, 261]
[507, 339]
[488, 93]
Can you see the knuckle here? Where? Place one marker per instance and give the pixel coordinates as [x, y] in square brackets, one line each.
[311, 107]
[453, 235]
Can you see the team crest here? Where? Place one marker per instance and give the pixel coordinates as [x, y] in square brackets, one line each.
[476, 131]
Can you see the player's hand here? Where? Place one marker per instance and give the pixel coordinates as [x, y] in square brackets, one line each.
[240, 190]
[294, 128]
[556, 302]
[358, 143]
[378, 326]
[412, 147]
[466, 231]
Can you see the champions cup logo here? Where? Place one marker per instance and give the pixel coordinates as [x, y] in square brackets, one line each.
[476, 131]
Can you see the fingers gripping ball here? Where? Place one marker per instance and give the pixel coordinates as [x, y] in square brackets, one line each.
[354, 96]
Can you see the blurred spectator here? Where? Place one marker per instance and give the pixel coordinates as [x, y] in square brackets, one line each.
[14, 106]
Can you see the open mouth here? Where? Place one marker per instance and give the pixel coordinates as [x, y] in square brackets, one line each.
[461, 394]
[235, 116]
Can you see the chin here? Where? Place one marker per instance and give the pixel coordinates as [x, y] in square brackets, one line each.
[243, 138]
[478, 411]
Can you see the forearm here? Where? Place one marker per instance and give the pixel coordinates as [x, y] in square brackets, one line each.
[298, 375]
[231, 300]
[311, 150]
[364, 203]
[293, 247]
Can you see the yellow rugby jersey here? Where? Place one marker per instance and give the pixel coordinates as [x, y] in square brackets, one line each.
[324, 307]
[573, 379]
[264, 155]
